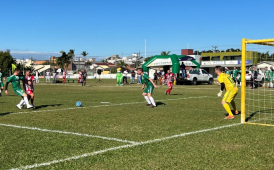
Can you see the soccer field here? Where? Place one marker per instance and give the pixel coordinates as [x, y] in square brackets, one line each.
[114, 129]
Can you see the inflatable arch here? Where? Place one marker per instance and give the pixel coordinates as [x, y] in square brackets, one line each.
[167, 60]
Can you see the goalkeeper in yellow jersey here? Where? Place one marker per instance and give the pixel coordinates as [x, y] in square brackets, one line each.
[231, 91]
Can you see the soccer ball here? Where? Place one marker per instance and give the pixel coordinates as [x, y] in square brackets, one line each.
[122, 84]
[78, 104]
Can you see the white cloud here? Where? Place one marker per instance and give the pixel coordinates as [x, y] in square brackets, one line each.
[34, 54]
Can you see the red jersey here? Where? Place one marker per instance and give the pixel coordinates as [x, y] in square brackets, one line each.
[64, 74]
[169, 77]
[29, 88]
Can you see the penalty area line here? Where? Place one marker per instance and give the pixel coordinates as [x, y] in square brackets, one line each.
[67, 133]
[105, 105]
[121, 147]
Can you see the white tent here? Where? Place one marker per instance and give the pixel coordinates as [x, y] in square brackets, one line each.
[265, 64]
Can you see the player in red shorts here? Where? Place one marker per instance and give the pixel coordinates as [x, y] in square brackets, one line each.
[64, 76]
[169, 77]
[80, 80]
[28, 86]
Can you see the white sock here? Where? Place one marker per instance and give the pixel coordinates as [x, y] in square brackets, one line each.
[26, 101]
[21, 102]
[267, 84]
[236, 84]
[152, 101]
[148, 101]
[263, 84]
[0, 90]
[240, 84]
[271, 84]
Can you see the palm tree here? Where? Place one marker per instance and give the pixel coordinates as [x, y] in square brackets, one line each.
[60, 62]
[84, 54]
[122, 63]
[165, 53]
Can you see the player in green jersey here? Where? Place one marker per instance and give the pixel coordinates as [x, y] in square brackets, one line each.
[234, 74]
[148, 82]
[15, 80]
[239, 77]
[267, 74]
[1, 82]
[227, 71]
[271, 77]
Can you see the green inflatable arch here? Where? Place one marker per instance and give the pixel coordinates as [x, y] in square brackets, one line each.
[159, 60]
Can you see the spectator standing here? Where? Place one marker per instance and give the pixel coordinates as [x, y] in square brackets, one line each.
[133, 77]
[254, 79]
[54, 77]
[36, 76]
[125, 77]
[156, 77]
[48, 77]
[163, 77]
[139, 81]
[160, 77]
[183, 68]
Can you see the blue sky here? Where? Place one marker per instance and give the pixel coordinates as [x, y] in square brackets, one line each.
[37, 29]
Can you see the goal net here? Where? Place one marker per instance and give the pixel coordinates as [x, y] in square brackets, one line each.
[257, 92]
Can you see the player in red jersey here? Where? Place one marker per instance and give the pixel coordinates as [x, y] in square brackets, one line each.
[28, 87]
[169, 77]
[80, 80]
[64, 76]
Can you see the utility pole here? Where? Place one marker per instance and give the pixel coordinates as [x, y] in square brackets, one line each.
[145, 48]
[215, 48]
[23, 66]
[78, 62]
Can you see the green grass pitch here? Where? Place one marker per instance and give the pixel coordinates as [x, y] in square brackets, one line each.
[116, 130]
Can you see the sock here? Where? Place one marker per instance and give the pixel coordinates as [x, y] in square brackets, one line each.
[233, 104]
[148, 101]
[227, 108]
[32, 101]
[85, 84]
[271, 85]
[169, 90]
[236, 84]
[26, 101]
[263, 84]
[21, 102]
[152, 101]
[267, 84]
[240, 83]
[82, 84]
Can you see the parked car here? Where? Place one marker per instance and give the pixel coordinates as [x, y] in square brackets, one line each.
[196, 76]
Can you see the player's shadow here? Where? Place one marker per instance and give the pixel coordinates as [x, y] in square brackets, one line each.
[233, 112]
[261, 111]
[3, 114]
[160, 103]
[177, 94]
[43, 106]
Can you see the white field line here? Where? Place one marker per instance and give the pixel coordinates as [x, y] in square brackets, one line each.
[67, 133]
[118, 104]
[120, 147]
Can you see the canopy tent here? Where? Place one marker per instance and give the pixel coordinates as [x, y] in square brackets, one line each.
[168, 60]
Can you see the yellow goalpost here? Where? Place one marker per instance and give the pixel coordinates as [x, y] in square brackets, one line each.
[256, 104]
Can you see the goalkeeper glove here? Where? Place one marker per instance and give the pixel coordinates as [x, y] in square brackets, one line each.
[220, 94]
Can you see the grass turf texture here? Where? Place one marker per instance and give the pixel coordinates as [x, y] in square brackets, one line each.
[189, 108]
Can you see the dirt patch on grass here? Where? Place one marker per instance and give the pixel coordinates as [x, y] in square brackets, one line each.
[231, 147]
